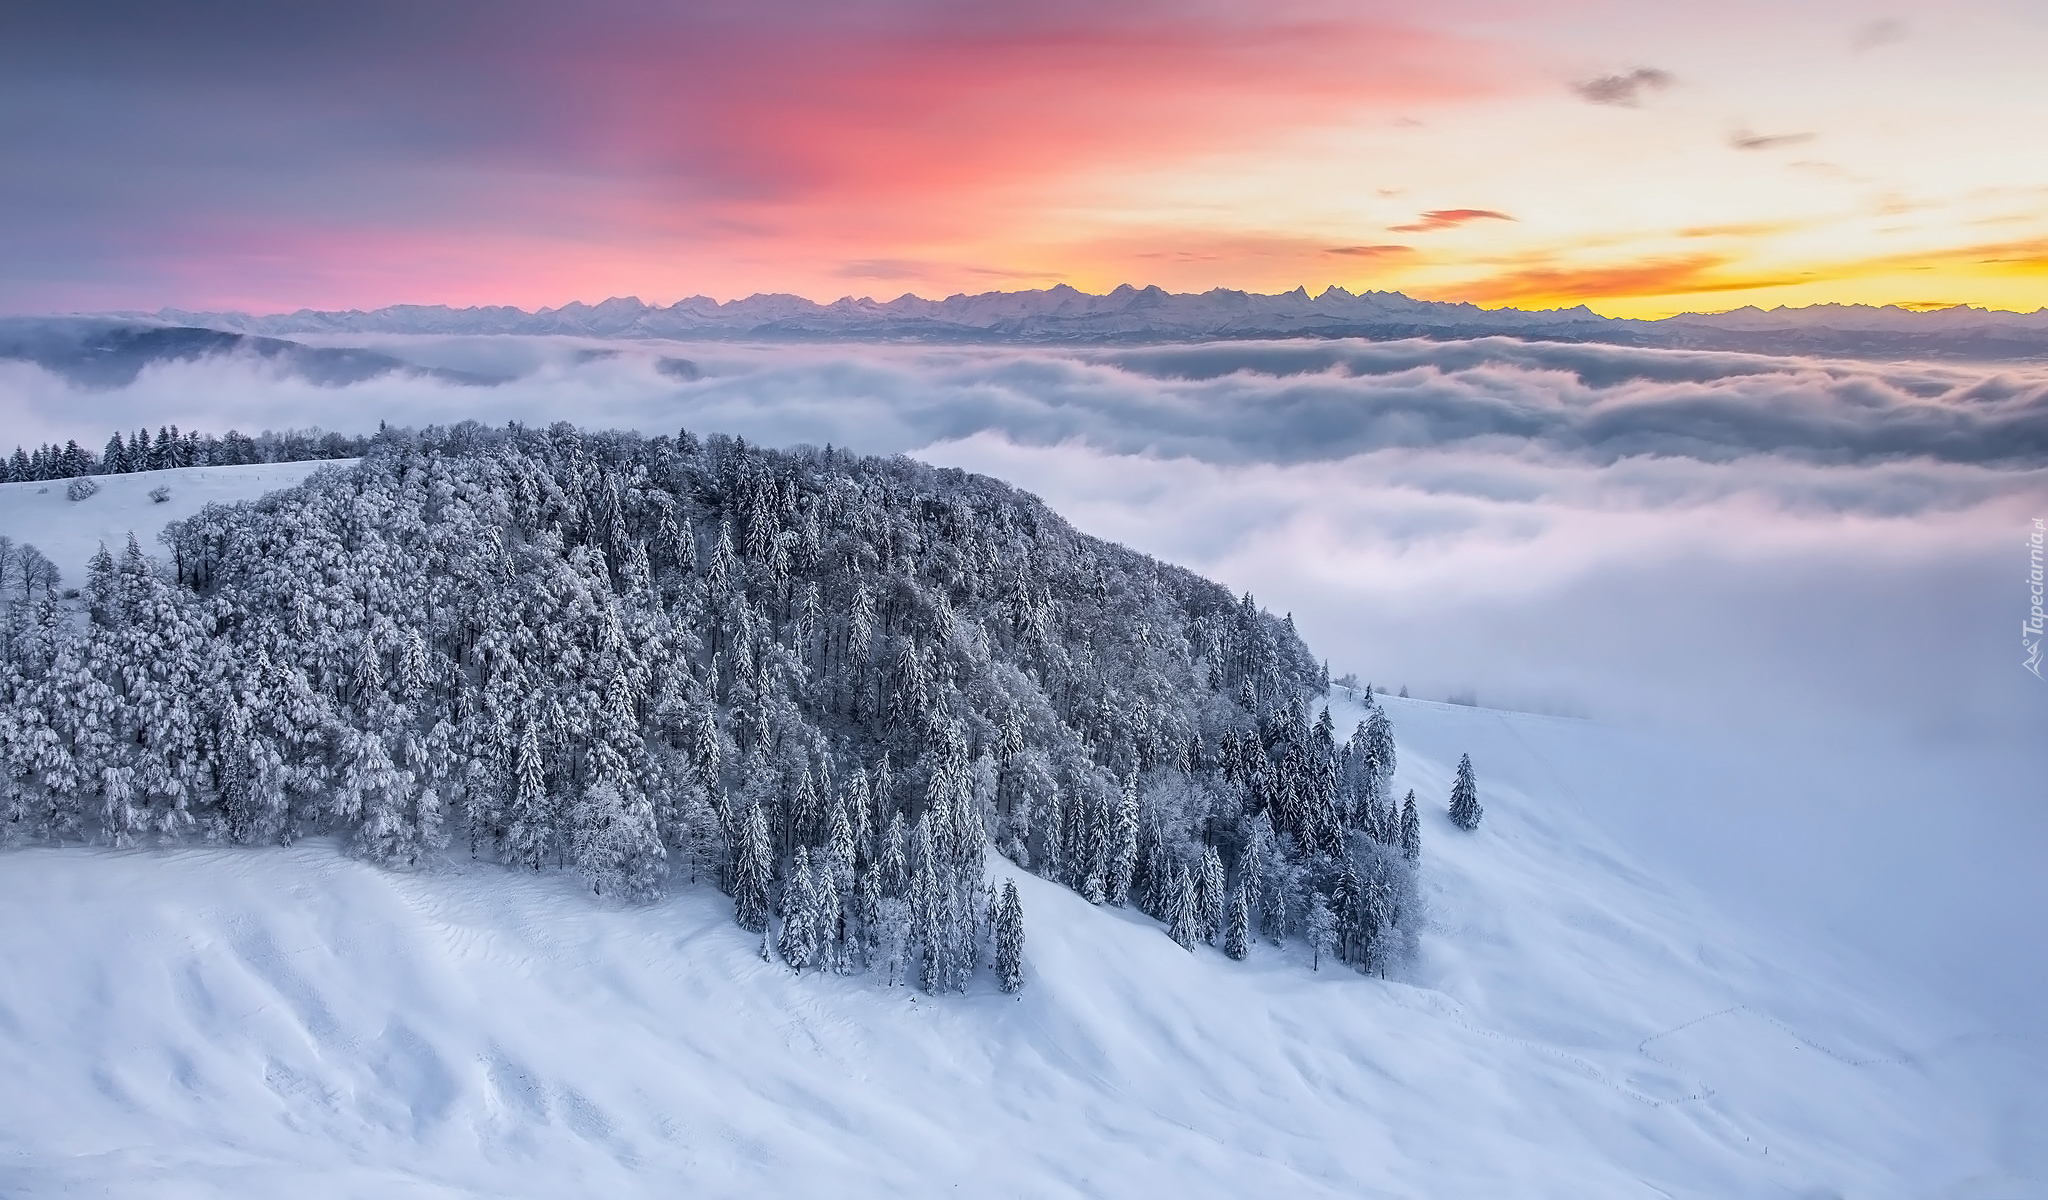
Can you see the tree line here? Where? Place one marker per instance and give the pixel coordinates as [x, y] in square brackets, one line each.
[169, 448]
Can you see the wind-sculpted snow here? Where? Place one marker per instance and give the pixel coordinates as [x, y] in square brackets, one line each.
[218, 1022]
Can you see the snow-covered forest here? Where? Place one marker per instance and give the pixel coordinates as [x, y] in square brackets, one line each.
[827, 684]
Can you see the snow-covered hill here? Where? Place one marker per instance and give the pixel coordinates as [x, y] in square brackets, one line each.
[1589, 1017]
[212, 1022]
[69, 531]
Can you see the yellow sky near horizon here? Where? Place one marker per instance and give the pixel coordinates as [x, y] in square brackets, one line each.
[1641, 158]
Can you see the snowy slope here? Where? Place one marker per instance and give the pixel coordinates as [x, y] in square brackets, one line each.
[1583, 1022]
[69, 531]
[212, 1022]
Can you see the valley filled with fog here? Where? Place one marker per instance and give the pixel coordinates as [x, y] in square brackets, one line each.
[1793, 585]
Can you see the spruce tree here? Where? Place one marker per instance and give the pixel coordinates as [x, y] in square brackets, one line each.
[1465, 809]
[865, 930]
[827, 913]
[752, 870]
[101, 588]
[1009, 939]
[530, 822]
[1123, 845]
[1237, 932]
[798, 942]
[1209, 897]
[1180, 907]
[1322, 931]
[894, 866]
[1379, 745]
[1411, 830]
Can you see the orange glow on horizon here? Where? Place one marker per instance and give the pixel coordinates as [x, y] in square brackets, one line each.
[1502, 152]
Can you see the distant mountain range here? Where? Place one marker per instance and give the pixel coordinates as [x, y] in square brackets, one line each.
[110, 350]
[1130, 314]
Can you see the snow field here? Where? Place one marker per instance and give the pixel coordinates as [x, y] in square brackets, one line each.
[215, 1022]
[69, 531]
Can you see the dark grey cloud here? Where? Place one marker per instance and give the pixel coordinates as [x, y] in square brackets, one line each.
[1625, 90]
[1231, 403]
[1604, 402]
[1742, 139]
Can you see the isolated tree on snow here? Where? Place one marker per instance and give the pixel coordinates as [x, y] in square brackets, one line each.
[1009, 939]
[1465, 810]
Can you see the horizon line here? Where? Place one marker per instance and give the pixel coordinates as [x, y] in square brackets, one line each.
[1914, 308]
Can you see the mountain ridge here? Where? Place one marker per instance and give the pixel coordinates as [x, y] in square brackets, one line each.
[1063, 314]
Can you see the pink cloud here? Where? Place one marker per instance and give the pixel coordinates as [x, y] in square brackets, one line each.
[1449, 218]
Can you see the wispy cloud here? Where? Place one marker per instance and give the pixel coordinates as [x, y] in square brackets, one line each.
[1684, 275]
[1742, 139]
[1449, 218]
[1624, 90]
[1394, 251]
[1878, 33]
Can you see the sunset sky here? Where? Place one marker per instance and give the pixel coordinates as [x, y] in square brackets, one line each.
[1643, 158]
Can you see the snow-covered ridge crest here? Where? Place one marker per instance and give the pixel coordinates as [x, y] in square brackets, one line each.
[837, 679]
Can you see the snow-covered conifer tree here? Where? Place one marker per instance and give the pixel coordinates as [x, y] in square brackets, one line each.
[1180, 907]
[1009, 940]
[1411, 830]
[530, 820]
[1123, 844]
[1237, 930]
[864, 931]
[1322, 931]
[753, 870]
[798, 942]
[894, 865]
[1209, 896]
[1465, 809]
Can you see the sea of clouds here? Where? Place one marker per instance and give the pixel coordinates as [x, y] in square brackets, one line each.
[1812, 571]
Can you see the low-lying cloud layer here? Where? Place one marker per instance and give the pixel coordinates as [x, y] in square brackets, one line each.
[1813, 564]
